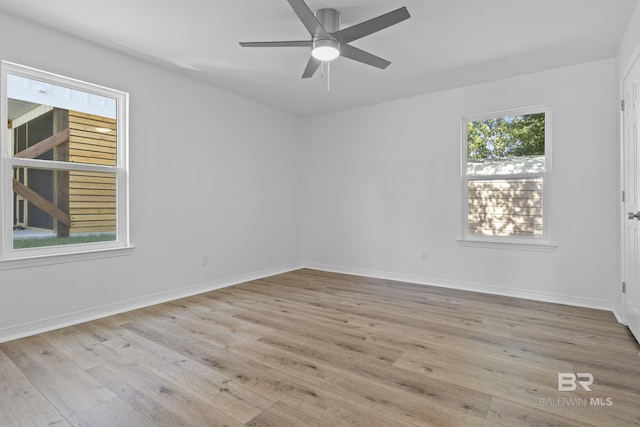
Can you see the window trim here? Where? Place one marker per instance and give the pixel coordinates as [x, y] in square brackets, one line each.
[543, 243]
[11, 258]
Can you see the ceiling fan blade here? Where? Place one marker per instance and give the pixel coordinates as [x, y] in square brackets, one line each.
[360, 55]
[365, 28]
[295, 43]
[312, 66]
[308, 18]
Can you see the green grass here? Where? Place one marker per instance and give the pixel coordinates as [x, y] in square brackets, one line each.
[38, 242]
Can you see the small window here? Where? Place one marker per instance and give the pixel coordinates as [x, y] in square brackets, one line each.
[506, 164]
[64, 165]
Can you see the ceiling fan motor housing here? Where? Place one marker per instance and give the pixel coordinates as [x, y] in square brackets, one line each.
[329, 19]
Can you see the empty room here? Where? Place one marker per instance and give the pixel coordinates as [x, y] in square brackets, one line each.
[320, 213]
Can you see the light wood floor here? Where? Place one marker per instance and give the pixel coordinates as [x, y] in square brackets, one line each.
[309, 348]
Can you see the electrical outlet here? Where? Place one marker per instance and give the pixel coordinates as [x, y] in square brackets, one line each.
[425, 255]
[204, 259]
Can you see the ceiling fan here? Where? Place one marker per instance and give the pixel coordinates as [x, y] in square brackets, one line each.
[328, 41]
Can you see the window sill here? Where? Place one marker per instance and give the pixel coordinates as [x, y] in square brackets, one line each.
[37, 261]
[510, 245]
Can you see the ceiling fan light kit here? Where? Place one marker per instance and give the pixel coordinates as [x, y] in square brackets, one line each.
[328, 41]
[325, 49]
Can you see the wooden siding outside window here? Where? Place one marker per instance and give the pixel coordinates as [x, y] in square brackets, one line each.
[92, 195]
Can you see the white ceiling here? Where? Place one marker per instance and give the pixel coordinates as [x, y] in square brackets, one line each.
[445, 43]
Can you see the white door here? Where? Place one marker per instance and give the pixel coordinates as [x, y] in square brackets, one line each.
[631, 177]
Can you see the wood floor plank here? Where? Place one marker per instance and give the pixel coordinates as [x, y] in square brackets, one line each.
[520, 386]
[69, 389]
[403, 381]
[306, 368]
[491, 376]
[350, 386]
[409, 336]
[414, 408]
[231, 365]
[216, 389]
[162, 401]
[499, 349]
[282, 415]
[206, 312]
[323, 402]
[81, 344]
[115, 412]
[511, 414]
[412, 336]
[203, 327]
[331, 338]
[343, 300]
[21, 404]
[618, 375]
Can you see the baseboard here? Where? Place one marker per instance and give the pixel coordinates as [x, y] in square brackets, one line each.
[618, 312]
[44, 325]
[467, 286]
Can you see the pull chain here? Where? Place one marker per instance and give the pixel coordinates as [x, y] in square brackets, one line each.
[328, 74]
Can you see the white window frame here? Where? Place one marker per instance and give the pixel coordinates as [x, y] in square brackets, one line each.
[13, 258]
[542, 243]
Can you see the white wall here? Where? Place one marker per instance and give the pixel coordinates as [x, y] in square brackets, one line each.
[210, 172]
[382, 183]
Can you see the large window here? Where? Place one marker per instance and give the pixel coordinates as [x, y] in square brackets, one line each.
[64, 165]
[505, 176]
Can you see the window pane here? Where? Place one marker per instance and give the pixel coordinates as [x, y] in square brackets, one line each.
[506, 145]
[51, 122]
[506, 207]
[52, 207]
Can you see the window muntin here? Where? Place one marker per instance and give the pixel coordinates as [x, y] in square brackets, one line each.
[506, 164]
[64, 165]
